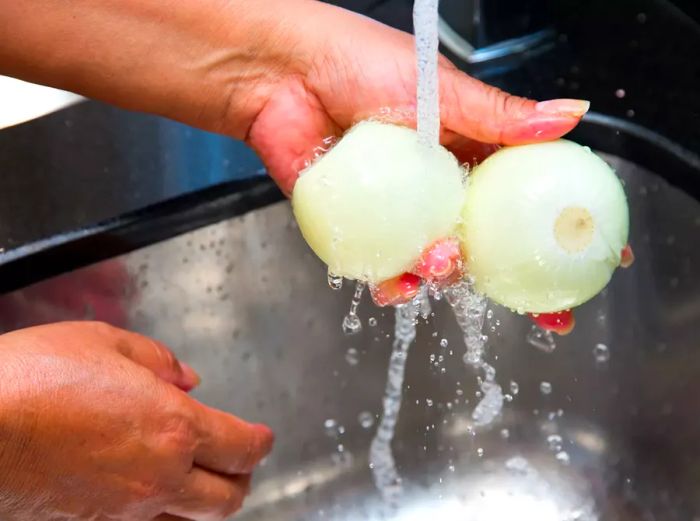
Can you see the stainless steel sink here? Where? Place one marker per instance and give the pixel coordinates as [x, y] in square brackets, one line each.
[246, 303]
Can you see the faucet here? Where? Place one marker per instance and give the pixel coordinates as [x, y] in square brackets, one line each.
[466, 29]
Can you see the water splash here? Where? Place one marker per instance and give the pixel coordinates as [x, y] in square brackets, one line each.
[365, 419]
[352, 323]
[601, 353]
[335, 282]
[541, 339]
[382, 463]
[469, 308]
[545, 388]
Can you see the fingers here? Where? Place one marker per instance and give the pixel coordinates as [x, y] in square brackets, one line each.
[440, 264]
[560, 322]
[484, 113]
[287, 131]
[395, 291]
[227, 444]
[153, 355]
[626, 257]
[208, 496]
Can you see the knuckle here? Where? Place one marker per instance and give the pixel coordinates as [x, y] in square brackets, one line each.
[165, 356]
[178, 439]
[144, 490]
[100, 328]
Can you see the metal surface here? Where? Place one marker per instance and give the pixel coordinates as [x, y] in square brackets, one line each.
[91, 162]
[246, 303]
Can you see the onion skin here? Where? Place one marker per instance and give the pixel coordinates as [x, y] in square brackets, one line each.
[540, 228]
[543, 226]
[371, 206]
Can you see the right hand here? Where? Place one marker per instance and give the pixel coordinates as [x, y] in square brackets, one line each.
[95, 424]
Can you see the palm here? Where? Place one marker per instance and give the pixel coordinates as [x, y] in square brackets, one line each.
[343, 86]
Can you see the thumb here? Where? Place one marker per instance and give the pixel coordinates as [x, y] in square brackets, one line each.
[155, 356]
[478, 111]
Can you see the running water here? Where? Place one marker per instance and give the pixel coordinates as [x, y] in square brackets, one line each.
[425, 23]
[382, 463]
[386, 477]
[469, 309]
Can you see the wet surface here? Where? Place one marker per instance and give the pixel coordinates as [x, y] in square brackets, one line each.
[614, 435]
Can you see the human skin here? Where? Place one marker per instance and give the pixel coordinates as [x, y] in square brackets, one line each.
[96, 423]
[281, 75]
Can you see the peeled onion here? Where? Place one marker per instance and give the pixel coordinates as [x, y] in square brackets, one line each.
[543, 226]
[371, 205]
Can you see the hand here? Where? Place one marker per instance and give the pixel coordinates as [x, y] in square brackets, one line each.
[283, 75]
[355, 73]
[343, 68]
[95, 425]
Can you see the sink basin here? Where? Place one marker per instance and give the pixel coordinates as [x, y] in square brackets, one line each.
[246, 303]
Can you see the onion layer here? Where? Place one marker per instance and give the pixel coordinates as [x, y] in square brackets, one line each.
[543, 226]
[371, 205]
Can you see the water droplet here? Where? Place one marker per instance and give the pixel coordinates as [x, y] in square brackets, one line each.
[541, 339]
[505, 434]
[563, 457]
[514, 388]
[444, 342]
[554, 442]
[352, 324]
[342, 457]
[366, 419]
[351, 356]
[601, 353]
[489, 314]
[480, 452]
[372, 321]
[546, 388]
[451, 468]
[620, 93]
[428, 402]
[330, 425]
[335, 282]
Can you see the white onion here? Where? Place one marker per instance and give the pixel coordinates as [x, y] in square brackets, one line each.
[543, 226]
[371, 205]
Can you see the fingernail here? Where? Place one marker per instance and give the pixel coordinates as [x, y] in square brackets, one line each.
[397, 290]
[626, 257]
[537, 128]
[440, 261]
[560, 322]
[190, 376]
[563, 107]
[266, 438]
